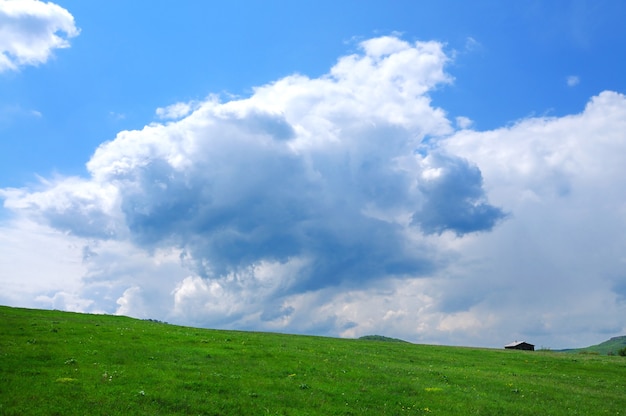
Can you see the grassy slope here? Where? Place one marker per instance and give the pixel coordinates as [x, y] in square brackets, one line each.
[609, 347]
[58, 363]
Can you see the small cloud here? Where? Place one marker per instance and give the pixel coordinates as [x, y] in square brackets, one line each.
[31, 30]
[175, 111]
[472, 44]
[11, 113]
[117, 116]
[573, 80]
[464, 122]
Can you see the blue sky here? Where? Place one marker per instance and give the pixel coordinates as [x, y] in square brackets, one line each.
[512, 61]
[437, 171]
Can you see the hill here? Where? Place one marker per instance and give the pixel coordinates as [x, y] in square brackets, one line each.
[381, 338]
[59, 363]
[610, 347]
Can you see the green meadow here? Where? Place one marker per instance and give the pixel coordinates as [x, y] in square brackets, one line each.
[59, 363]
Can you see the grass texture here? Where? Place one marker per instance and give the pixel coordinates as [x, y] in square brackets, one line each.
[60, 363]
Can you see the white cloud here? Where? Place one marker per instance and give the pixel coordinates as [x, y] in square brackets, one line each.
[117, 116]
[175, 111]
[560, 254]
[70, 204]
[11, 114]
[471, 44]
[36, 260]
[315, 205]
[464, 122]
[573, 80]
[30, 30]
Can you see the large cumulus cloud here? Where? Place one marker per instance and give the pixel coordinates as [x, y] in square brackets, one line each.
[321, 177]
[346, 205]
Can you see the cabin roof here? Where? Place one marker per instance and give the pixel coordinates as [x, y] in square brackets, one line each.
[516, 343]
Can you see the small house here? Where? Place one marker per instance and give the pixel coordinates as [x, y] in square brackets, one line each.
[520, 345]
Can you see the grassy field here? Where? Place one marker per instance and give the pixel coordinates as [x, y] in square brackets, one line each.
[59, 363]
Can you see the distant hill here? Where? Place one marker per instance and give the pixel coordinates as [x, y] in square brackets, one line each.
[610, 347]
[381, 338]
